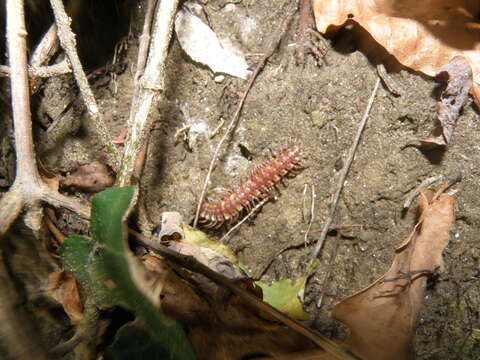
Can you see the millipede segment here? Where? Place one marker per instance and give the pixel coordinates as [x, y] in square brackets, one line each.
[260, 185]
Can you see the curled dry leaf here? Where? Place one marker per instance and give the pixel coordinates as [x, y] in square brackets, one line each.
[91, 177]
[382, 318]
[63, 287]
[459, 81]
[422, 35]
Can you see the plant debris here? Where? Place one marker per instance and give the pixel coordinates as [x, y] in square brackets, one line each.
[383, 317]
[458, 75]
[422, 35]
[91, 177]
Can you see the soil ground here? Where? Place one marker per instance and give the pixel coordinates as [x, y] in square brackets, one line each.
[319, 107]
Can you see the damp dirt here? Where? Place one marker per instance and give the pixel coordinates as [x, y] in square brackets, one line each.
[319, 106]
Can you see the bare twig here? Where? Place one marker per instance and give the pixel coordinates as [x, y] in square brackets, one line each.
[68, 42]
[144, 42]
[47, 47]
[312, 215]
[333, 256]
[344, 174]
[413, 194]
[451, 180]
[190, 263]
[61, 68]
[269, 50]
[152, 84]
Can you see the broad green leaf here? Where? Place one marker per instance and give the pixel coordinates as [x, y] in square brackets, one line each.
[111, 274]
[80, 260]
[285, 294]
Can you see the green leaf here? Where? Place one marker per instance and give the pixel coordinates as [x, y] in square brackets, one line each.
[79, 259]
[197, 237]
[108, 209]
[284, 295]
[110, 274]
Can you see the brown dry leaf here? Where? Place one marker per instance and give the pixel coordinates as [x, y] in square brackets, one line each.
[382, 318]
[221, 325]
[63, 287]
[92, 177]
[422, 35]
[459, 82]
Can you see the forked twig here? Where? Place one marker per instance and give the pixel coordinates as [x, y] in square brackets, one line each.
[344, 174]
[28, 190]
[269, 50]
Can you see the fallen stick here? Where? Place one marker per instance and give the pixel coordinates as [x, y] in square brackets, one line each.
[344, 173]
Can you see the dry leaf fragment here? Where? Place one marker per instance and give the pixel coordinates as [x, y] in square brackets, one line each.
[382, 318]
[63, 287]
[203, 46]
[459, 76]
[91, 177]
[422, 35]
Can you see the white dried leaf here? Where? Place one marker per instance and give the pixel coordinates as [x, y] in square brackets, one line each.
[203, 46]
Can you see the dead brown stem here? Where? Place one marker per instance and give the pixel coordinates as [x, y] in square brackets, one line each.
[344, 173]
[269, 50]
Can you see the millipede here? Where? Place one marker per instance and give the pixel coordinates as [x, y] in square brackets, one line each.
[260, 184]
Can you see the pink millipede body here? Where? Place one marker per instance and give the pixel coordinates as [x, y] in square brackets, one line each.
[260, 185]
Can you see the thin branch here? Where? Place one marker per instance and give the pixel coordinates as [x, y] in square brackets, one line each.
[413, 194]
[144, 42]
[17, 51]
[152, 84]
[344, 173]
[312, 215]
[68, 42]
[47, 47]
[269, 50]
[61, 68]
[190, 263]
